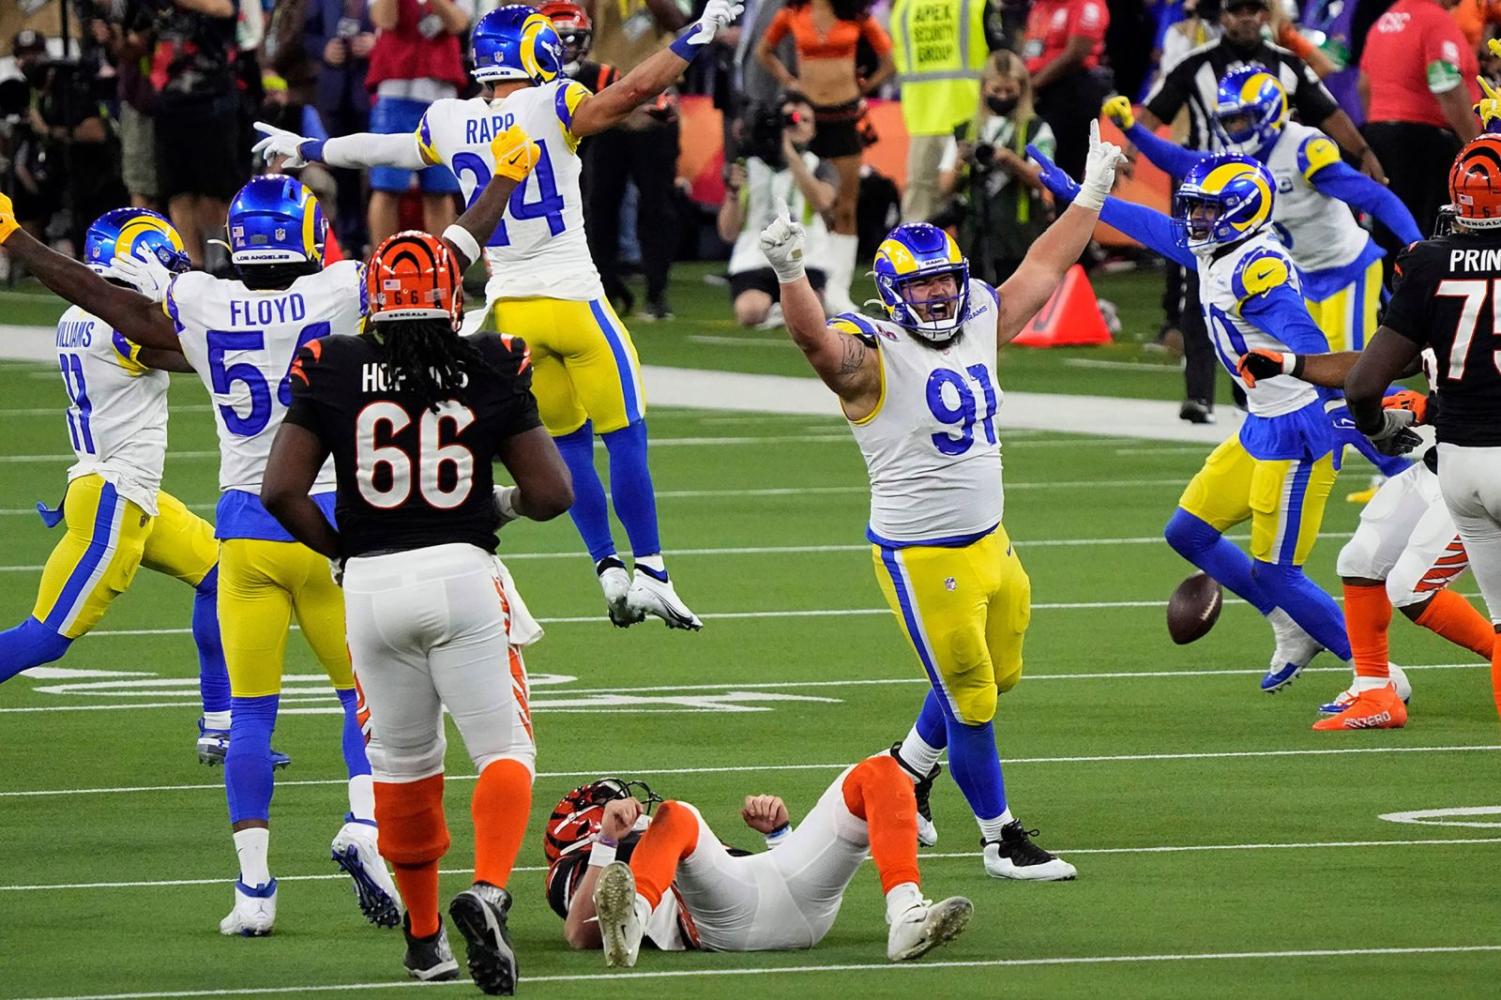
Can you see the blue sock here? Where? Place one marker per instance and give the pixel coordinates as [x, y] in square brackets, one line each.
[931, 724]
[590, 512]
[355, 759]
[213, 676]
[248, 781]
[976, 767]
[1307, 604]
[29, 644]
[1206, 548]
[631, 489]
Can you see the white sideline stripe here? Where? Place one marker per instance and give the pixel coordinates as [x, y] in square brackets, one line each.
[58, 411]
[740, 768]
[992, 963]
[924, 856]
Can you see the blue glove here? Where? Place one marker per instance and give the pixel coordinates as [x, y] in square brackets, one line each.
[1063, 187]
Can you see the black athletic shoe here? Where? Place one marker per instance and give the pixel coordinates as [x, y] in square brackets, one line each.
[922, 788]
[429, 959]
[1196, 411]
[479, 912]
[657, 309]
[1015, 856]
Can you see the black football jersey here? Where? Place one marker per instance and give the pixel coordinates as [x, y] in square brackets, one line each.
[410, 477]
[1448, 298]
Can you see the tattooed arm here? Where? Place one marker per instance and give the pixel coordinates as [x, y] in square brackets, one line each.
[841, 357]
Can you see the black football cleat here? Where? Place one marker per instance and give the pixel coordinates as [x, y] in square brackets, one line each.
[479, 912]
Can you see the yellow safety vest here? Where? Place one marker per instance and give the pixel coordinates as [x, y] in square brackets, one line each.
[939, 50]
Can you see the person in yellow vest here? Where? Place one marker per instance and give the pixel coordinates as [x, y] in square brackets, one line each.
[939, 48]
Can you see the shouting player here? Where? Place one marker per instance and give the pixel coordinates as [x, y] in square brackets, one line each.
[543, 283]
[1278, 471]
[1445, 301]
[678, 885]
[920, 393]
[414, 416]
[117, 516]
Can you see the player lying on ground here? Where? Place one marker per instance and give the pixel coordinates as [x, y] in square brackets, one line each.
[117, 517]
[920, 393]
[543, 283]
[414, 416]
[1278, 471]
[241, 337]
[1444, 301]
[678, 884]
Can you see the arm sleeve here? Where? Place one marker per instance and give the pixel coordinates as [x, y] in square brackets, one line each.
[1147, 226]
[1339, 180]
[875, 35]
[1280, 312]
[367, 149]
[1167, 156]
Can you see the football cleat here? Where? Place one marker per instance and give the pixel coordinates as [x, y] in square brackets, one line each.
[616, 583]
[479, 912]
[620, 922]
[1378, 708]
[354, 850]
[923, 928]
[429, 959]
[653, 595]
[213, 744]
[1294, 652]
[922, 789]
[1395, 674]
[254, 914]
[1015, 856]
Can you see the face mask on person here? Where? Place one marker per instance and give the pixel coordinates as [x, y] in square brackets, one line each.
[1001, 105]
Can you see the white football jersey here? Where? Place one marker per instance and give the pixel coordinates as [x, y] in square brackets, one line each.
[1319, 231]
[932, 447]
[117, 408]
[1226, 282]
[242, 343]
[539, 249]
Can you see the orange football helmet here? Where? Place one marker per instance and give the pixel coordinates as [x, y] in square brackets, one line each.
[413, 275]
[1475, 183]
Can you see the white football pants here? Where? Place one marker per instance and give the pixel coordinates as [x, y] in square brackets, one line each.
[1406, 537]
[1471, 482]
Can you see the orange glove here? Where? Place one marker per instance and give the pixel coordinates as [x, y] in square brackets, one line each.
[1413, 402]
[1262, 363]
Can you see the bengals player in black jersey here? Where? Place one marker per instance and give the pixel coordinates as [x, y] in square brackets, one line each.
[414, 415]
[1448, 299]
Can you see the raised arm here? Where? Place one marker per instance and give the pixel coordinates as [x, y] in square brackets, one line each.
[360, 151]
[515, 154]
[136, 317]
[1169, 157]
[1322, 166]
[612, 105]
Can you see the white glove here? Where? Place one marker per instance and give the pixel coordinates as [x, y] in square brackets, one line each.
[716, 16]
[1396, 436]
[142, 272]
[782, 242]
[1099, 170]
[505, 505]
[279, 142]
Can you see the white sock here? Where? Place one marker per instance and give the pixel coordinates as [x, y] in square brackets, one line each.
[918, 754]
[1369, 683]
[843, 249]
[652, 562]
[216, 720]
[362, 797]
[990, 829]
[902, 898]
[1283, 626]
[643, 909]
[252, 846]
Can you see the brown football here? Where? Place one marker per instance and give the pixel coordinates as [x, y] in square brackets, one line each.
[1194, 608]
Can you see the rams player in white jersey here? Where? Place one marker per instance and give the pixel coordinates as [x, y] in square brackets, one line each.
[921, 396]
[543, 283]
[241, 337]
[117, 516]
[1278, 471]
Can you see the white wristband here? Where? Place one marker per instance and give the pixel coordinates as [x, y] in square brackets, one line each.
[464, 241]
[601, 855]
[505, 503]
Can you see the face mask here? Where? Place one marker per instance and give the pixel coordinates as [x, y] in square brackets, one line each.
[1001, 105]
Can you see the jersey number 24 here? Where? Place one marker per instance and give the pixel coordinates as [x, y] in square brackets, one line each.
[547, 205]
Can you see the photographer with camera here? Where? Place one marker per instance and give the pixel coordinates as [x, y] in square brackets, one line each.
[1002, 209]
[778, 169]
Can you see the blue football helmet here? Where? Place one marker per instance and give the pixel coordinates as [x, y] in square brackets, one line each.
[1250, 110]
[1223, 200]
[124, 232]
[918, 251]
[514, 42]
[276, 220]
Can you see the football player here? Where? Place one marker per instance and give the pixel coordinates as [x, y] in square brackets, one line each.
[920, 393]
[1278, 471]
[543, 283]
[669, 877]
[414, 415]
[1445, 301]
[117, 516]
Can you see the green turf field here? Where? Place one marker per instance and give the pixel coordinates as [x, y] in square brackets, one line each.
[1224, 849]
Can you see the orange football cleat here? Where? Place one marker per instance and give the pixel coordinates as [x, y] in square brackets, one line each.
[1379, 708]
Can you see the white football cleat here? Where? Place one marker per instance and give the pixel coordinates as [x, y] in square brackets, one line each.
[621, 922]
[652, 596]
[254, 914]
[1295, 648]
[355, 850]
[616, 583]
[923, 928]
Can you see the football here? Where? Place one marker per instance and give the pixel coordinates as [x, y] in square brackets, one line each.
[1194, 608]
